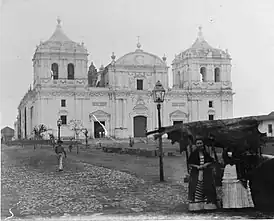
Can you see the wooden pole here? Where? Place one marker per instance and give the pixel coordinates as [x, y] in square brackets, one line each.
[160, 145]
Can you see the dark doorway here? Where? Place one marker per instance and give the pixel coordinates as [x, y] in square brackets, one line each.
[140, 126]
[177, 122]
[99, 131]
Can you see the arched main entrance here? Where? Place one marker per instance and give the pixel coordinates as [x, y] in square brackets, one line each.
[140, 126]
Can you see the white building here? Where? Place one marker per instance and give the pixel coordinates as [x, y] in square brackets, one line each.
[267, 124]
[119, 95]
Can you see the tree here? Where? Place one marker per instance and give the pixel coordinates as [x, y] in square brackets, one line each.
[38, 131]
[77, 127]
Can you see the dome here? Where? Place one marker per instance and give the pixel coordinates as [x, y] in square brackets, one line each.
[60, 42]
[140, 58]
[201, 48]
[59, 35]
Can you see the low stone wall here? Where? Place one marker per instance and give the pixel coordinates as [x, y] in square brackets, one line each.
[136, 151]
[33, 142]
[28, 142]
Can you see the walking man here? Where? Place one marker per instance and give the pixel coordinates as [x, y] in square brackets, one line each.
[61, 153]
[70, 145]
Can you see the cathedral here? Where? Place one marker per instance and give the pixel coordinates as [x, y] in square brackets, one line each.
[119, 95]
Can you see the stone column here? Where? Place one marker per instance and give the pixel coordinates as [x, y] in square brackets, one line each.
[198, 110]
[173, 78]
[194, 110]
[42, 111]
[189, 107]
[82, 110]
[112, 116]
[222, 107]
[210, 74]
[92, 128]
[125, 117]
[132, 124]
[182, 79]
[117, 120]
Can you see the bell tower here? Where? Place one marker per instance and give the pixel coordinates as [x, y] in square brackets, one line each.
[201, 63]
[59, 58]
[203, 73]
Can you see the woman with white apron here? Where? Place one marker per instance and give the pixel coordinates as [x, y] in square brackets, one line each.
[236, 192]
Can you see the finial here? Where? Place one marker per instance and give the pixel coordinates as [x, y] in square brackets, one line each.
[164, 58]
[113, 56]
[58, 20]
[138, 43]
[200, 34]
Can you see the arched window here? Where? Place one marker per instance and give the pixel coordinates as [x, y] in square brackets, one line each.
[217, 75]
[54, 70]
[202, 74]
[70, 71]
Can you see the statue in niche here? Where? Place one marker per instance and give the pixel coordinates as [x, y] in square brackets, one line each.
[131, 82]
[149, 82]
[92, 75]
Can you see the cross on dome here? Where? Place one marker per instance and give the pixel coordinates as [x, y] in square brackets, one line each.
[200, 34]
[58, 20]
[113, 56]
[164, 57]
[138, 43]
[200, 41]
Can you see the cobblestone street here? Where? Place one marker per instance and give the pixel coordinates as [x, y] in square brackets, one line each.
[29, 177]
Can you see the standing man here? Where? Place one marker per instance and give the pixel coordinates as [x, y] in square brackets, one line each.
[61, 153]
[70, 145]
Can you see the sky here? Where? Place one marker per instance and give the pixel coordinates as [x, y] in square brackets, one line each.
[245, 28]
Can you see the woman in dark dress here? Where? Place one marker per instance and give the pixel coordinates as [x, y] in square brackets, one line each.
[202, 190]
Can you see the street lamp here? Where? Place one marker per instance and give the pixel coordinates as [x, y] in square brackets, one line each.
[59, 123]
[158, 97]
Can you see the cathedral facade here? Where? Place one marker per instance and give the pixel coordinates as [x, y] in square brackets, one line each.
[119, 95]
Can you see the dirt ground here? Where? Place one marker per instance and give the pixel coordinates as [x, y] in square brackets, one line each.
[95, 182]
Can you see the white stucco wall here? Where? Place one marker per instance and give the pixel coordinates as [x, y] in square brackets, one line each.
[119, 102]
[263, 127]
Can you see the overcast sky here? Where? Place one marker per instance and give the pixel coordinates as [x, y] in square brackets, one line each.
[245, 28]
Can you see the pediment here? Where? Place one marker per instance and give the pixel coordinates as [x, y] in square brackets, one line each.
[63, 112]
[140, 107]
[99, 113]
[211, 112]
[178, 114]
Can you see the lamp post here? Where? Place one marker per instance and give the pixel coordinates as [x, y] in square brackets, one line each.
[158, 97]
[59, 123]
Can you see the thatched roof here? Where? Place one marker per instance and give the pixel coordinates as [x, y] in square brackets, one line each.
[236, 133]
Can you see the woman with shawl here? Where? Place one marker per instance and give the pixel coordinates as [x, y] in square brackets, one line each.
[202, 190]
